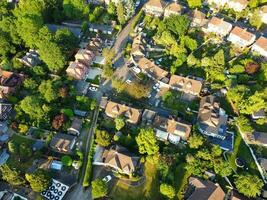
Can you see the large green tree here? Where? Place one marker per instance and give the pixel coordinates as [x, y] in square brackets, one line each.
[167, 190]
[48, 90]
[120, 13]
[66, 39]
[119, 123]
[39, 180]
[147, 142]
[11, 175]
[103, 138]
[75, 9]
[99, 188]
[195, 141]
[249, 185]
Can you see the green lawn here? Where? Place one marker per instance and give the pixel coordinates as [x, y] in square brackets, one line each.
[181, 176]
[241, 150]
[148, 190]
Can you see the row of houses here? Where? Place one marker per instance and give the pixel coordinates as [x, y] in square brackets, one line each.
[84, 58]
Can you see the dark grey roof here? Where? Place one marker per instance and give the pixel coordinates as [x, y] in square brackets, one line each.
[148, 115]
[5, 110]
[101, 27]
[263, 163]
[260, 137]
[76, 31]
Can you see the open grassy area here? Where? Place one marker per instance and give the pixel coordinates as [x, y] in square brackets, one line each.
[241, 150]
[148, 190]
[181, 176]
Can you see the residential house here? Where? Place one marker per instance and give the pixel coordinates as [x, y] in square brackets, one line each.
[235, 195]
[260, 138]
[106, 29]
[85, 56]
[31, 58]
[212, 121]
[171, 129]
[260, 46]
[198, 19]
[263, 163]
[219, 26]
[76, 126]
[5, 110]
[9, 195]
[199, 189]
[120, 160]
[9, 81]
[186, 85]
[260, 114]
[151, 69]
[263, 14]
[237, 5]
[172, 9]
[241, 37]
[63, 143]
[137, 46]
[155, 7]
[77, 70]
[4, 135]
[4, 156]
[114, 110]
[3, 127]
[148, 116]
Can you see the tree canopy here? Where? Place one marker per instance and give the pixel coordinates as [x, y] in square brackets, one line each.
[103, 138]
[99, 188]
[39, 180]
[147, 142]
[167, 190]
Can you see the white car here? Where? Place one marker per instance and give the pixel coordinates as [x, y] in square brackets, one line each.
[107, 178]
[92, 88]
[136, 70]
[129, 82]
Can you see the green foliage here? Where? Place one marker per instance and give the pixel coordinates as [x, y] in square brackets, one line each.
[11, 175]
[99, 188]
[177, 24]
[255, 19]
[237, 69]
[195, 141]
[6, 46]
[119, 123]
[120, 13]
[244, 124]
[68, 112]
[129, 9]
[111, 8]
[147, 142]
[39, 180]
[23, 128]
[249, 185]
[30, 84]
[222, 168]
[167, 190]
[12, 147]
[48, 91]
[103, 138]
[75, 9]
[84, 103]
[194, 3]
[66, 39]
[66, 160]
[252, 104]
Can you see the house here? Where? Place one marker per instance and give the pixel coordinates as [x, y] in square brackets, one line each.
[9, 81]
[237, 5]
[219, 26]
[186, 85]
[148, 116]
[151, 69]
[63, 143]
[4, 156]
[212, 121]
[260, 138]
[172, 9]
[263, 163]
[198, 19]
[155, 7]
[260, 46]
[3, 127]
[171, 129]
[235, 195]
[106, 29]
[76, 30]
[85, 56]
[137, 46]
[5, 110]
[31, 58]
[114, 110]
[77, 70]
[76, 126]
[240, 37]
[199, 189]
[263, 14]
[120, 160]
[9, 195]
[260, 114]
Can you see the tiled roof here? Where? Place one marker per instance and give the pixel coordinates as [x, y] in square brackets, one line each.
[220, 22]
[262, 43]
[156, 3]
[77, 70]
[174, 7]
[62, 142]
[242, 33]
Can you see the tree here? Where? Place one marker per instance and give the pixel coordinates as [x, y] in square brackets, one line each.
[6, 46]
[11, 175]
[249, 185]
[103, 138]
[195, 141]
[223, 168]
[25, 151]
[147, 142]
[216, 151]
[167, 190]
[66, 160]
[119, 123]
[99, 188]
[189, 43]
[255, 19]
[129, 11]
[75, 9]
[58, 121]
[23, 128]
[177, 24]
[118, 84]
[137, 90]
[66, 39]
[194, 3]
[109, 55]
[30, 84]
[39, 180]
[111, 8]
[244, 124]
[12, 147]
[252, 104]
[48, 90]
[120, 13]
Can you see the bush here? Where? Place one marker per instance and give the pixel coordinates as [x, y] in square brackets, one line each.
[244, 124]
[67, 112]
[89, 167]
[66, 160]
[23, 129]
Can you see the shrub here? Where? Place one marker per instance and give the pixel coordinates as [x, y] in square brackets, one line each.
[23, 129]
[66, 160]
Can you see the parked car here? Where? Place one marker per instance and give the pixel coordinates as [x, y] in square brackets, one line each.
[128, 81]
[107, 178]
[136, 70]
[93, 89]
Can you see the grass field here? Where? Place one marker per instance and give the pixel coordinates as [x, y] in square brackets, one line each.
[148, 190]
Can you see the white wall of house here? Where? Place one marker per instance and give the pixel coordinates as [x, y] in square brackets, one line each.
[219, 30]
[239, 41]
[259, 50]
[264, 18]
[236, 6]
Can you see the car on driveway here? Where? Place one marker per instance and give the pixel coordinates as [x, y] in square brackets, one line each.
[93, 89]
[107, 178]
